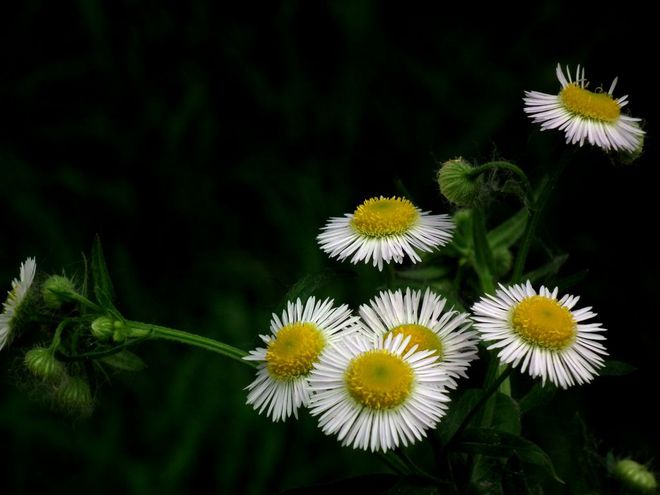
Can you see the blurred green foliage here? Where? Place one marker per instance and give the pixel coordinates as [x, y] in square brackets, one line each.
[207, 145]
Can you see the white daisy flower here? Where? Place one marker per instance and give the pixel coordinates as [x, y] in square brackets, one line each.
[429, 326]
[15, 297]
[541, 333]
[585, 115]
[294, 346]
[377, 396]
[384, 230]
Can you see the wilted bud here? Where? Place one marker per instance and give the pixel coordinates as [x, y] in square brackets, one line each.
[42, 363]
[635, 476]
[54, 290]
[75, 397]
[456, 183]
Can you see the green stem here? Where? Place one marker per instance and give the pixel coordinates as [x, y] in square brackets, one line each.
[74, 296]
[482, 401]
[533, 219]
[502, 165]
[57, 338]
[101, 354]
[394, 463]
[416, 469]
[139, 329]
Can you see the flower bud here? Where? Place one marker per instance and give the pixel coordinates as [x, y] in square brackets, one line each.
[42, 363]
[503, 261]
[54, 289]
[635, 476]
[103, 327]
[75, 397]
[457, 185]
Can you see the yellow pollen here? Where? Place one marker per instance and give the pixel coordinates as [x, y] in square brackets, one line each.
[596, 106]
[380, 217]
[293, 352]
[424, 338]
[379, 379]
[544, 322]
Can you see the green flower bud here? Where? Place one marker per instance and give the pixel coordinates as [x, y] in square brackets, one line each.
[635, 476]
[457, 185]
[53, 289]
[42, 363]
[75, 397]
[103, 327]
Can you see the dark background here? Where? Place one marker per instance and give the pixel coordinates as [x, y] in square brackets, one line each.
[208, 145]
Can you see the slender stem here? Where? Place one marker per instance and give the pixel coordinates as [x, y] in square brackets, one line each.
[84, 301]
[57, 338]
[502, 165]
[139, 329]
[534, 216]
[484, 398]
[101, 354]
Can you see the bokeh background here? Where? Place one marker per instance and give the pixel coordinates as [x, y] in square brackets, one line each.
[207, 145]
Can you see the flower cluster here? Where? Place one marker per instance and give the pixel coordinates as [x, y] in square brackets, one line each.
[382, 378]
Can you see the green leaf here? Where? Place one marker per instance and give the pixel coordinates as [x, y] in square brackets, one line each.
[483, 258]
[458, 410]
[507, 414]
[103, 289]
[493, 443]
[547, 270]
[308, 285]
[507, 233]
[616, 368]
[125, 361]
[539, 395]
[368, 483]
[424, 273]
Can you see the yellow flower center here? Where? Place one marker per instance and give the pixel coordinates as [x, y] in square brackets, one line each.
[294, 351]
[424, 338]
[379, 379]
[544, 322]
[380, 217]
[596, 106]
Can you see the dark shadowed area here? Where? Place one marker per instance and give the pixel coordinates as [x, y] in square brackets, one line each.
[207, 146]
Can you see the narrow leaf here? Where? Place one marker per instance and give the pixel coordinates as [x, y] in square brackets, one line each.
[458, 410]
[102, 284]
[616, 368]
[494, 443]
[508, 232]
[125, 361]
[547, 270]
[425, 273]
[539, 395]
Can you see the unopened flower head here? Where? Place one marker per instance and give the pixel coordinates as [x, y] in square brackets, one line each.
[430, 327]
[378, 396]
[457, 184]
[584, 115]
[293, 347]
[384, 230]
[636, 476]
[15, 302]
[541, 333]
